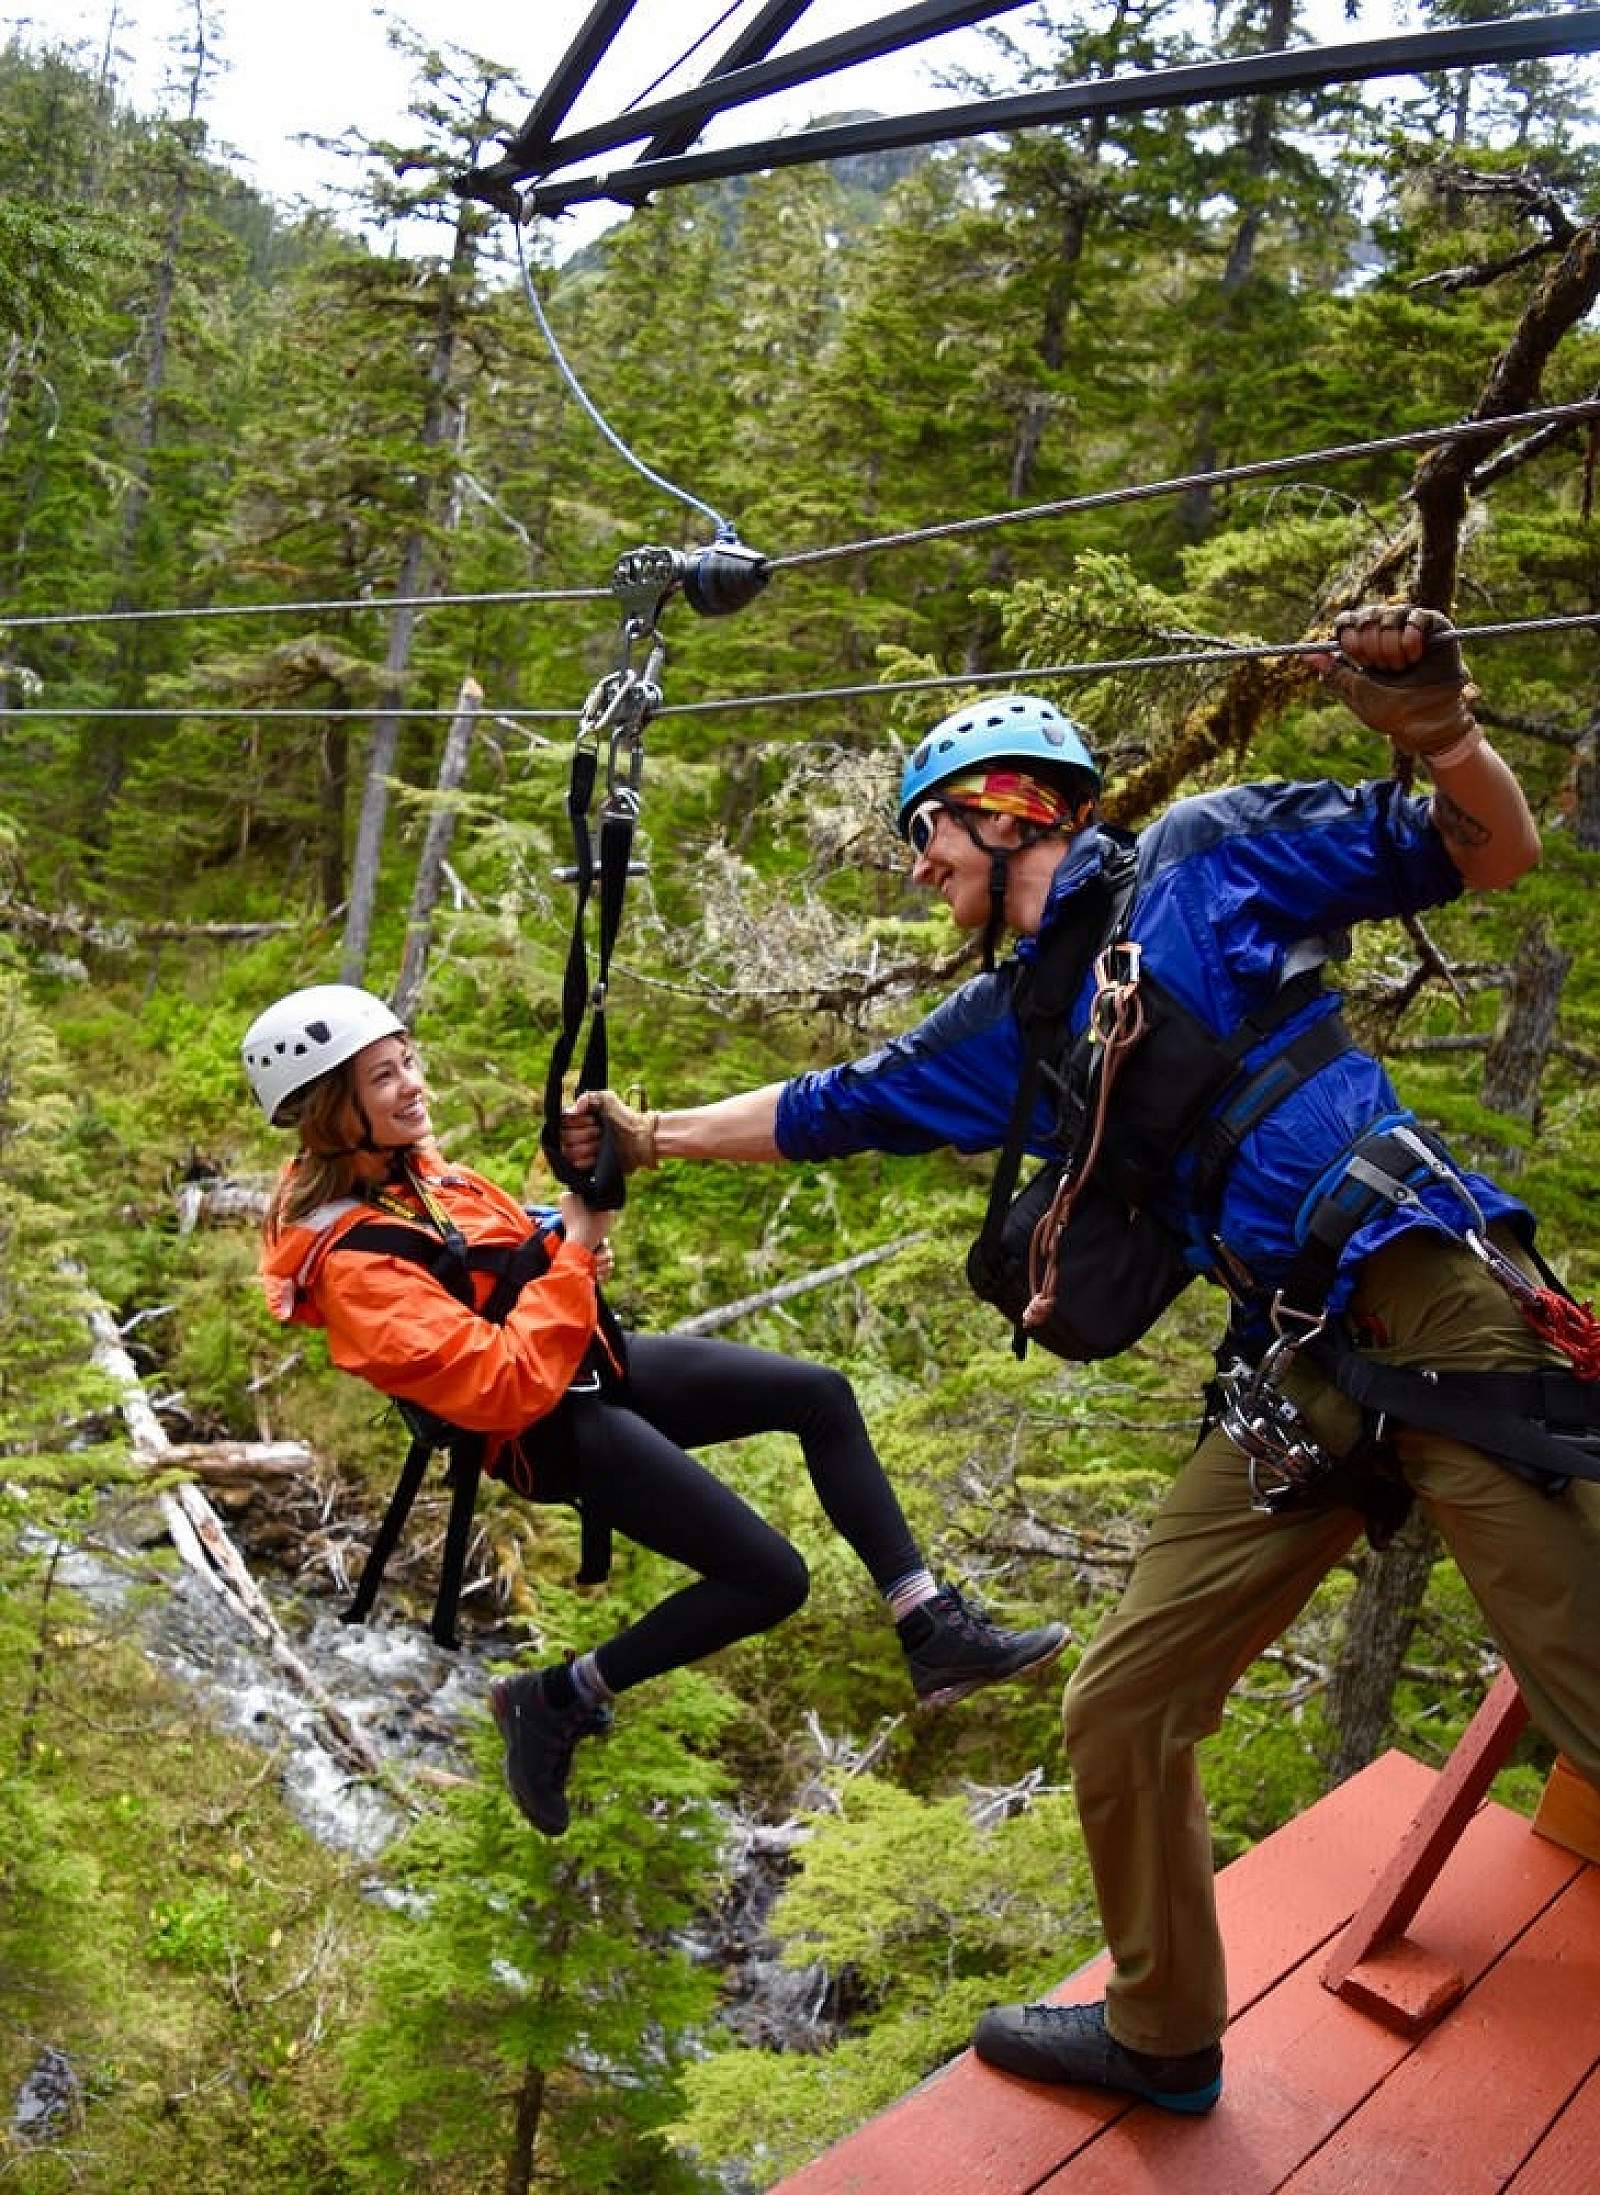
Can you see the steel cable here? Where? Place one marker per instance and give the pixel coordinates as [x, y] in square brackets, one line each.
[1219, 652]
[1101, 499]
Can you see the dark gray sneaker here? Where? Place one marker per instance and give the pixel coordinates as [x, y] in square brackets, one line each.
[540, 1742]
[953, 1647]
[1070, 2042]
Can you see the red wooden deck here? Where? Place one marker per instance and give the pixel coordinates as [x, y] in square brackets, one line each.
[1320, 2097]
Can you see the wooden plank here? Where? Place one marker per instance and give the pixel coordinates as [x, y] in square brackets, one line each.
[1567, 2161]
[1482, 1751]
[969, 2130]
[1300, 2059]
[1475, 2097]
[1569, 1811]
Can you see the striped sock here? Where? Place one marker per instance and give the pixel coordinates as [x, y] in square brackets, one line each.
[910, 1592]
[591, 1688]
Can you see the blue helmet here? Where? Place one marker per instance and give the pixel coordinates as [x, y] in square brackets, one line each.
[1016, 728]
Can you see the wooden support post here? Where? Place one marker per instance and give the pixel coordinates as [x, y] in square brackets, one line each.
[1374, 1964]
[1569, 1811]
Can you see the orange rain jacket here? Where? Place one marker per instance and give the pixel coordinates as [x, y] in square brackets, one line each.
[391, 1323]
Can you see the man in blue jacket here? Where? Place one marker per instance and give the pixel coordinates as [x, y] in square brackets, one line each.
[1307, 1190]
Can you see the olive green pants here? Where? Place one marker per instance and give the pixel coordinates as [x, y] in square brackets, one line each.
[1217, 1581]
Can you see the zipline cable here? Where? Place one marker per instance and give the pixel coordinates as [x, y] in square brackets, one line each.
[1219, 652]
[725, 530]
[282, 609]
[1256, 469]
[1100, 499]
[687, 54]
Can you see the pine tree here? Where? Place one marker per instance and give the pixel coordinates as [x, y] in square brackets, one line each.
[531, 2012]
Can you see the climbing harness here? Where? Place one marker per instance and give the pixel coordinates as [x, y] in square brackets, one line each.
[454, 1262]
[1543, 1425]
[714, 581]
[1082, 1260]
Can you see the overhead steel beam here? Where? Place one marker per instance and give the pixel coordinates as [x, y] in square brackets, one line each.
[753, 44]
[572, 72]
[532, 153]
[1520, 38]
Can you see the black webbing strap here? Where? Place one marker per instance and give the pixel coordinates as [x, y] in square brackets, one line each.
[466, 1469]
[605, 1187]
[1380, 1169]
[1543, 1425]
[384, 1540]
[1258, 1094]
[1049, 989]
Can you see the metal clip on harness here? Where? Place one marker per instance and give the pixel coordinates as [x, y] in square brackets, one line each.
[1284, 1456]
[714, 582]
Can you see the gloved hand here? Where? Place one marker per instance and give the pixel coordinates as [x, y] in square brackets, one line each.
[1399, 678]
[633, 1132]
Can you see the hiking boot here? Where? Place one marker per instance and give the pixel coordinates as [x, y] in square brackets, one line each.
[540, 1741]
[953, 1647]
[1070, 2042]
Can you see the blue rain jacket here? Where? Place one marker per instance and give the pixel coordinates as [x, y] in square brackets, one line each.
[1235, 892]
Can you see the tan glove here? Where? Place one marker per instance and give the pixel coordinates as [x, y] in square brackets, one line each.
[1401, 679]
[633, 1132]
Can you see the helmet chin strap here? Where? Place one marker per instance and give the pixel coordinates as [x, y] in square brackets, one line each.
[1000, 868]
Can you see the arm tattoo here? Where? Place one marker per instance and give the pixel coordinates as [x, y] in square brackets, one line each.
[1455, 826]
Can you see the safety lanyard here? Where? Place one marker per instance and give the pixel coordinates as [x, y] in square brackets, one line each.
[617, 711]
[434, 1210]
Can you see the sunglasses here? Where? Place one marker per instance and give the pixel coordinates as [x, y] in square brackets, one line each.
[924, 822]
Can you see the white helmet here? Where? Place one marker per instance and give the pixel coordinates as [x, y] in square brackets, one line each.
[305, 1035]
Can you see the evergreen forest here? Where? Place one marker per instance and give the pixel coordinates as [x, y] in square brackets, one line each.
[269, 1921]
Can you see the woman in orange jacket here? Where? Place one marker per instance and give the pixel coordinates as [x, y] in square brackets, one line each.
[494, 1322]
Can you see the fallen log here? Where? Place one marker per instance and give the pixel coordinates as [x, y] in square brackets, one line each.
[217, 1203]
[225, 1462]
[203, 1545]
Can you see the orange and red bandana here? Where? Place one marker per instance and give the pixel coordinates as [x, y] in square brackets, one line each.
[1007, 793]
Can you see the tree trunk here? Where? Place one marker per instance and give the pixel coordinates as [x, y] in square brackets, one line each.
[1377, 1634]
[333, 768]
[436, 851]
[1513, 1068]
[441, 425]
[1195, 509]
[1586, 792]
[525, 2132]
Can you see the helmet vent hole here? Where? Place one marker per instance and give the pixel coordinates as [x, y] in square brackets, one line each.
[317, 1031]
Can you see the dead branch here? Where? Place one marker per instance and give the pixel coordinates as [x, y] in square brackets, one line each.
[1419, 558]
[124, 937]
[202, 1542]
[218, 1203]
[1446, 476]
[709, 1322]
[228, 1462]
[1532, 727]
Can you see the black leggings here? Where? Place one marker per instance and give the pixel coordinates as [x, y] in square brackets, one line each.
[632, 1472]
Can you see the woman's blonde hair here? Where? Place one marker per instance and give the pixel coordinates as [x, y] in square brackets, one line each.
[324, 1168]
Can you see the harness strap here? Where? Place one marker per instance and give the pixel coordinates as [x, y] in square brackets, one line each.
[466, 1468]
[1052, 984]
[1381, 1166]
[1543, 1425]
[1303, 1056]
[605, 1187]
[514, 1265]
[388, 1533]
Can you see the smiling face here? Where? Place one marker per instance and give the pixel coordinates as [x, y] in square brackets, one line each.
[955, 866]
[387, 1085]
